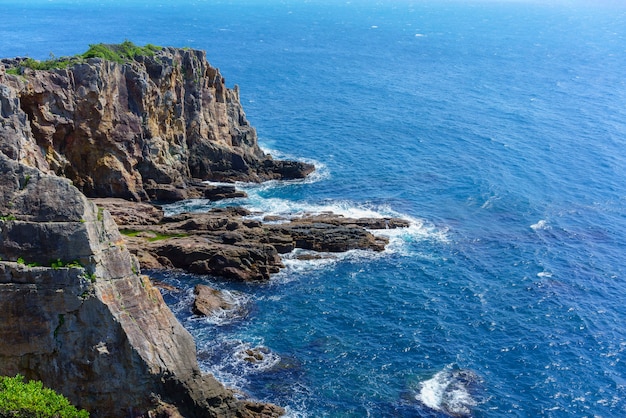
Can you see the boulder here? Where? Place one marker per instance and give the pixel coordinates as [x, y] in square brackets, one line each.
[208, 300]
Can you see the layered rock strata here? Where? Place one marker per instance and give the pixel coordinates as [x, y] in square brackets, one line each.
[148, 129]
[77, 315]
[228, 243]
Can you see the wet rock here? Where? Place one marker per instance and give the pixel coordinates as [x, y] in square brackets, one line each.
[209, 300]
[225, 242]
[255, 354]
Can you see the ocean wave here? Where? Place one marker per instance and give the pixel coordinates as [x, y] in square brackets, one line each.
[450, 391]
[321, 170]
[542, 224]
[233, 361]
[281, 210]
[301, 261]
[239, 302]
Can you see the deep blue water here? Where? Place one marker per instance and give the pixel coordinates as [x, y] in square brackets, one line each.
[499, 128]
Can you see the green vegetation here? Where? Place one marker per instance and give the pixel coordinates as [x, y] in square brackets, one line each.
[61, 322]
[32, 400]
[24, 183]
[57, 264]
[120, 53]
[7, 218]
[90, 276]
[129, 232]
[157, 236]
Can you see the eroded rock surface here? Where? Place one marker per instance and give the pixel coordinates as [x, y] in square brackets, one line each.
[76, 313]
[228, 243]
[208, 300]
[148, 129]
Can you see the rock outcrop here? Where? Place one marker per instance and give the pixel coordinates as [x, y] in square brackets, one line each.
[148, 129]
[208, 300]
[227, 243]
[77, 315]
[76, 312]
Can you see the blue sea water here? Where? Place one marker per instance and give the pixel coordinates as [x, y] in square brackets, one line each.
[497, 127]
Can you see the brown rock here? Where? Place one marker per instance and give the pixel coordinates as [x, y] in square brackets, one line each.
[135, 214]
[94, 330]
[150, 129]
[209, 300]
[224, 243]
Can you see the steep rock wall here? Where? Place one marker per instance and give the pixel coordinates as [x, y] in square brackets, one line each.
[137, 129]
[76, 313]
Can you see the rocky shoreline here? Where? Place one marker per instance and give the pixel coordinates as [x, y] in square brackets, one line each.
[77, 312]
[227, 243]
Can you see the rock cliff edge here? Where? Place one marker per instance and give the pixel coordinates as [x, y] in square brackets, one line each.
[76, 312]
[146, 129]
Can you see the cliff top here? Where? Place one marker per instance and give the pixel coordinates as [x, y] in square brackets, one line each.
[139, 123]
[120, 53]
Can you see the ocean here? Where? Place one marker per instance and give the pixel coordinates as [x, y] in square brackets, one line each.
[497, 127]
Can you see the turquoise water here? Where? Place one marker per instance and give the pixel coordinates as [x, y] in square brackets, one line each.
[498, 128]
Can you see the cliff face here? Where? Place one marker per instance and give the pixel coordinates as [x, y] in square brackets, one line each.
[75, 312]
[95, 329]
[141, 130]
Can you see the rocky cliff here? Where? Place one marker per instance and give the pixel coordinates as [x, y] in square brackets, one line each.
[76, 313]
[146, 129]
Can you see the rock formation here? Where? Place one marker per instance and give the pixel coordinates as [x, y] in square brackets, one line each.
[76, 313]
[209, 300]
[227, 243]
[148, 129]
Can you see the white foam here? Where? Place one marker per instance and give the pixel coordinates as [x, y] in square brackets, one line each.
[321, 170]
[220, 317]
[447, 391]
[284, 210]
[254, 359]
[292, 413]
[232, 362]
[542, 224]
[544, 274]
[418, 229]
[301, 261]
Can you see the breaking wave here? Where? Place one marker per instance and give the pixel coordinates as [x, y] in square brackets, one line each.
[450, 391]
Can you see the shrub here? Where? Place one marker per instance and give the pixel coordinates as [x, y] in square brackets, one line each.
[32, 400]
[120, 53]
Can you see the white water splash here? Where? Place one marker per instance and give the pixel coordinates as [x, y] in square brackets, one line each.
[448, 391]
[542, 224]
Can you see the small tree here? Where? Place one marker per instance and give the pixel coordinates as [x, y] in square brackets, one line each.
[32, 400]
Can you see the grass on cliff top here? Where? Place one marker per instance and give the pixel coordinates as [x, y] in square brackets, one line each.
[157, 235]
[120, 53]
[19, 399]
